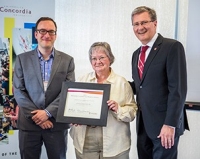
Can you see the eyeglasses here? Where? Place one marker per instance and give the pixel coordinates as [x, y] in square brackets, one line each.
[142, 23]
[44, 31]
[94, 59]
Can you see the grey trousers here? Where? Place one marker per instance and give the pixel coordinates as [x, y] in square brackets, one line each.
[93, 146]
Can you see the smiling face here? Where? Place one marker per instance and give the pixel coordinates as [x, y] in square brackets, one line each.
[45, 41]
[100, 61]
[143, 27]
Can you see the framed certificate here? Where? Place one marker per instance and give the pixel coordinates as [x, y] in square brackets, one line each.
[84, 103]
[192, 105]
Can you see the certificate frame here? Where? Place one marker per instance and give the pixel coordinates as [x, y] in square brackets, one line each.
[64, 105]
[192, 105]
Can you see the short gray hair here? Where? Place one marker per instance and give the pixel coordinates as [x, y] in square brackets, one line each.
[142, 9]
[103, 46]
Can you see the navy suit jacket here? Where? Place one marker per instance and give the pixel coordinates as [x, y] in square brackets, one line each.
[161, 92]
[29, 89]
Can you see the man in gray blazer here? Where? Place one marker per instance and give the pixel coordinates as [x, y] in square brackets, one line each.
[38, 77]
[160, 90]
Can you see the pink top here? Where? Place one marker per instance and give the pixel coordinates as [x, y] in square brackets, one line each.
[15, 114]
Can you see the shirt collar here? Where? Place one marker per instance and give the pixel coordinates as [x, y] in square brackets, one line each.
[151, 42]
[108, 80]
[41, 57]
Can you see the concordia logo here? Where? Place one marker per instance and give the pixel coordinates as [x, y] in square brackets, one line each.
[15, 10]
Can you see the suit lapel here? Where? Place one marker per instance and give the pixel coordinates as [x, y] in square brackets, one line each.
[152, 54]
[56, 63]
[136, 63]
[36, 67]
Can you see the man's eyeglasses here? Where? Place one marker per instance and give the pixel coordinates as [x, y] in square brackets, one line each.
[94, 59]
[44, 31]
[142, 23]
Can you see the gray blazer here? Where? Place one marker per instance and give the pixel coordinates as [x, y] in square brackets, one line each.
[29, 90]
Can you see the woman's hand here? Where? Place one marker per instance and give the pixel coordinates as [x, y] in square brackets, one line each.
[112, 105]
[7, 115]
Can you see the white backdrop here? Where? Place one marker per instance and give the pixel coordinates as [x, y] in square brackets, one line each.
[193, 52]
[83, 22]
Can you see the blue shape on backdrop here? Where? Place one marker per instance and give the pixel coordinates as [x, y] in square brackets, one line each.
[34, 40]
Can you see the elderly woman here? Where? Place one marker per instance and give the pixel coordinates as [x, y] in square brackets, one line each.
[112, 141]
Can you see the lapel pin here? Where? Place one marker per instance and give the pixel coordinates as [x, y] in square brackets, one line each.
[155, 48]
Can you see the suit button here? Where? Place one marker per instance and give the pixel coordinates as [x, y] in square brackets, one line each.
[140, 87]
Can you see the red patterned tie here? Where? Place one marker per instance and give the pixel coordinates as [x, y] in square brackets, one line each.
[142, 60]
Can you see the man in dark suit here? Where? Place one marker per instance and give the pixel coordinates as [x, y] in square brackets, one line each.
[38, 77]
[160, 91]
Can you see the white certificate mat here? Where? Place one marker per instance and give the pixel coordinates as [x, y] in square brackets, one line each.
[84, 103]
